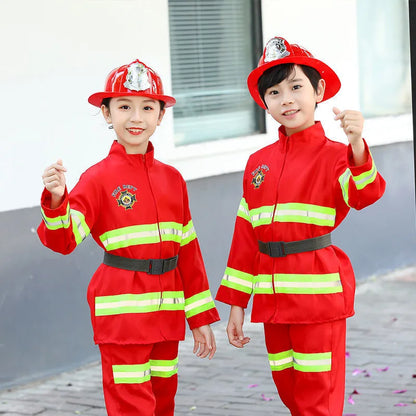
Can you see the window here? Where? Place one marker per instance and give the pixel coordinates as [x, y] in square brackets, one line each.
[384, 57]
[214, 46]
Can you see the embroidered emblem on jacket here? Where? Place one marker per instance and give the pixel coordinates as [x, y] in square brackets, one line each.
[126, 198]
[258, 175]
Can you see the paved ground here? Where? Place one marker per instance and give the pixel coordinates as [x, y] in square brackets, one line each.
[381, 368]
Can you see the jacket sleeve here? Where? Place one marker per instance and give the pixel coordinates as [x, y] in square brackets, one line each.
[360, 185]
[66, 226]
[238, 280]
[199, 305]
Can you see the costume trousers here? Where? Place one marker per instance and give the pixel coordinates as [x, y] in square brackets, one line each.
[140, 380]
[308, 366]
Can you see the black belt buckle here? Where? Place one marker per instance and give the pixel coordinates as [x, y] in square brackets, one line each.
[277, 249]
[156, 266]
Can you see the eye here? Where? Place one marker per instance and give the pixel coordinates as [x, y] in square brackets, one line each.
[124, 107]
[273, 92]
[148, 108]
[296, 87]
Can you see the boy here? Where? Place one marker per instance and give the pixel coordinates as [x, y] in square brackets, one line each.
[152, 276]
[296, 191]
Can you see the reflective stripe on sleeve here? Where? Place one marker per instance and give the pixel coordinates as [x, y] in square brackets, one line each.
[55, 223]
[188, 233]
[307, 284]
[360, 181]
[198, 303]
[139, 303]
[79, 226]
[243, 210]
[235, 279]
[131, 374]
[164, 368]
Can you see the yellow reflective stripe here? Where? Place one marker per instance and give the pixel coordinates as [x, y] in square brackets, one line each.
[243, 210]
[55, 223]
[281, 360]
[263, 284]
[365, 178]
[198, 303]
[188, 233]
[131, 374]
[293, 212]
[262, 215]
[139, 303]
[305, 213]
[344, 181]
[144, 234]
[79, 226]
[171, 231]
[308, 284]
[164, 368]
[312, 363]
[235, 279]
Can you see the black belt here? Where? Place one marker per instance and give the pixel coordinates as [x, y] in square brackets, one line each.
[150, 266]
[282, 249]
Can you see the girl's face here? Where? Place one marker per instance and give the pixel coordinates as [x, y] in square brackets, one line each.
[292, 102]
[134, 119]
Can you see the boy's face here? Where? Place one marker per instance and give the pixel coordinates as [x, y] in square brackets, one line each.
[292, 102]
[134, 119]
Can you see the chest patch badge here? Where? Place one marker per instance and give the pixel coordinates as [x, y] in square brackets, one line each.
[258, 175]
[124, 196]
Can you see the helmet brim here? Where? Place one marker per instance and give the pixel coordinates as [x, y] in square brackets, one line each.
[333, 84]
[97, 98]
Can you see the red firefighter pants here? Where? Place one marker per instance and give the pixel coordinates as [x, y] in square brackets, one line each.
[140, 380]
[308, 366]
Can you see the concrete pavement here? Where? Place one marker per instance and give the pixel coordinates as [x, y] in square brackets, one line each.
[381, 368]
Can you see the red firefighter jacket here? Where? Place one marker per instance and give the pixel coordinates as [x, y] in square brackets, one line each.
[134, 206]
[297, 188]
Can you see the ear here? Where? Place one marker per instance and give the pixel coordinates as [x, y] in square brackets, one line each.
[106, 113]
[161, 114]
[320, 90]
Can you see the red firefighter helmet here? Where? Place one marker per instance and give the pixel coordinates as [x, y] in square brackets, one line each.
[279, 51]
[135, 78]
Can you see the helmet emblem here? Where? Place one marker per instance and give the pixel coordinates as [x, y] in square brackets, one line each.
[275, 49]
[137, 78]
[258, 175]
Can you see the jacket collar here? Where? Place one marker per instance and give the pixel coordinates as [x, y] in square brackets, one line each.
[148, 158]
[312, 135]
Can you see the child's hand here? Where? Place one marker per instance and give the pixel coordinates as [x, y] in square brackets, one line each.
[204, 342]
[235, 327]
[352, 122]
[54, 180]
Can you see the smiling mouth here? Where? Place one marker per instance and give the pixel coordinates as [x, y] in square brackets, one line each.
[290, 112]
[135, 131]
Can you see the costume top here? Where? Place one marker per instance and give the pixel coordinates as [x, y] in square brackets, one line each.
[137, 207]
[297, 188]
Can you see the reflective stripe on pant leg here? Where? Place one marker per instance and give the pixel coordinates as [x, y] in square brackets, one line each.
[126, 380]
[164, 377]
[280, 356]
[312, 363]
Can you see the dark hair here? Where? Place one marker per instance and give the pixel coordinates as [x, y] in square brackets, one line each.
[106, 102]
[276, 74]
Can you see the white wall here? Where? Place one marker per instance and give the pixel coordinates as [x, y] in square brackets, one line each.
[55, 53]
